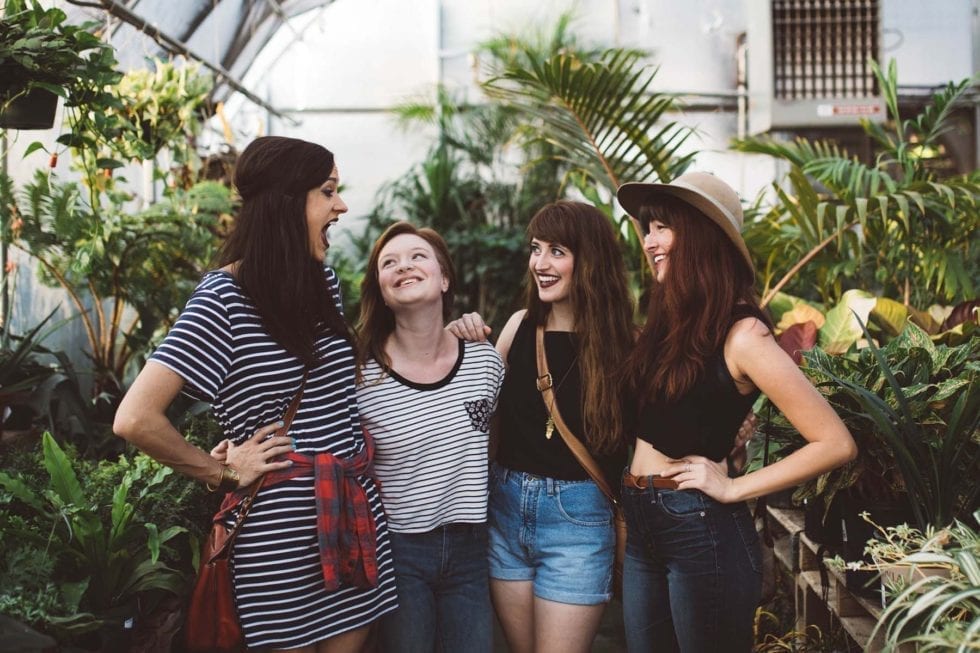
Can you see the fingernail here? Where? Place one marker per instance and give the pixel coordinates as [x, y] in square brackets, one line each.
[280, 423]
[289, 462]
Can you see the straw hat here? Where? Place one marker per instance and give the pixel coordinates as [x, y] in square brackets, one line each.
[705, 192]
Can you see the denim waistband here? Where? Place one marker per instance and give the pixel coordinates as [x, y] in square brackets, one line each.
[505, 473]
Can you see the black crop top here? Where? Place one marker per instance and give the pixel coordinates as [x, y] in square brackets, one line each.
[523, 445]
[706, 419]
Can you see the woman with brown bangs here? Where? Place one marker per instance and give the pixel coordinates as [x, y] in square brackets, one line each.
[551, 527]
[692, 575]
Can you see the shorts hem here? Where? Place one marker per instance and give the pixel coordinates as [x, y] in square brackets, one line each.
[511, 574]
[572, 598]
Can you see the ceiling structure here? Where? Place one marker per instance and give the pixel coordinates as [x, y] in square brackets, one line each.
[224, 35]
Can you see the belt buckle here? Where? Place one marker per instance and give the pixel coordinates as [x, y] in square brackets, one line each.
[543, 382]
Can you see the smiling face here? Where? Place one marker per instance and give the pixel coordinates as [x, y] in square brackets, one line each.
[657, 242]
[323, 208]
[551, 265]
[409, 273]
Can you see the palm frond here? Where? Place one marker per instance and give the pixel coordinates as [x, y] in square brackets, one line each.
[599, 116]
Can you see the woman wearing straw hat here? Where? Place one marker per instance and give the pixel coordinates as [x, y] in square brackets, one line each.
[693, 569]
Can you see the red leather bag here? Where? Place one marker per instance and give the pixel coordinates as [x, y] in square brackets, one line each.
[212, 620]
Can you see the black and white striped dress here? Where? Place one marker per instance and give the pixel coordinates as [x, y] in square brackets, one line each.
[226, 357]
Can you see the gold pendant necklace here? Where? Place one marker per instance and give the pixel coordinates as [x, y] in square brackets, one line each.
[549, 425]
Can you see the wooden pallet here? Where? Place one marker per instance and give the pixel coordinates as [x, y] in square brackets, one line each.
[797, 555]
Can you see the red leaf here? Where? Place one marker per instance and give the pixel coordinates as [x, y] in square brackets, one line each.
[797, 339]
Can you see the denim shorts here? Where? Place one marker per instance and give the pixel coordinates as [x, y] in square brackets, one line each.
[558, 534]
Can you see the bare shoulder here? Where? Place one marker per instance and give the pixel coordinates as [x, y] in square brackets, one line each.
[508, 332]
[748, 333]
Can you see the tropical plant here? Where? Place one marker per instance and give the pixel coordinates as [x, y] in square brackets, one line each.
[38, 49]
[935, 612]
[892, 227]
[914, 409]
[126, 272]
[102, 561]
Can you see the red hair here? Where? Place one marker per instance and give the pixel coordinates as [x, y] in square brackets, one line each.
[691, 309]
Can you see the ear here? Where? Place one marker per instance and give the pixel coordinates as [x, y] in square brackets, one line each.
[445, 284]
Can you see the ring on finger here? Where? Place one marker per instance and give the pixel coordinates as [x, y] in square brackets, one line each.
[688, 468]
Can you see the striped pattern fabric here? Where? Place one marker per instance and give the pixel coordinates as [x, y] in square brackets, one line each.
[431, 439]
[220, 348]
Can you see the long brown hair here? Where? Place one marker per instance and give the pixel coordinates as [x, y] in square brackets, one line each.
[377, 321]
[603, 308]
[691, 309]
[270, 243]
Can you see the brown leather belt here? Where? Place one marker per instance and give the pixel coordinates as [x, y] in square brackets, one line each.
[645, 482]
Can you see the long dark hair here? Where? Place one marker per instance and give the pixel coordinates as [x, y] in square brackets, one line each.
[691, 309]
[270, 243]
[603, 308]
[377, 321]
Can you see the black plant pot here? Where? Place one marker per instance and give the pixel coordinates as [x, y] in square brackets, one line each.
[33, 110]
[856, 532]
[823, 525]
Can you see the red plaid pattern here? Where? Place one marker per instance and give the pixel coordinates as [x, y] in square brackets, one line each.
[345, 526]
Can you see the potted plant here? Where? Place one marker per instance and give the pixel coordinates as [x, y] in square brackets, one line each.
[42, 57]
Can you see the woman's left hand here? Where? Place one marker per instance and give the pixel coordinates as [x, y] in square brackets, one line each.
[700, 473]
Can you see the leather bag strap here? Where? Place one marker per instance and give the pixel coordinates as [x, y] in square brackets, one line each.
[248, 499]
[546, 388]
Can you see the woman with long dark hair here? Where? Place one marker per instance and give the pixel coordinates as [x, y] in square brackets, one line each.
[692, 574]
[551, 528]
[312, 563]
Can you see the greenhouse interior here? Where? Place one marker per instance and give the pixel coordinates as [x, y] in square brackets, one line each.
[371, 216]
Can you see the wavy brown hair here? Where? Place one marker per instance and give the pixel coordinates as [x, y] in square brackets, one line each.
[691, 310]
[270, 243]
[603, 308]
[377, 321]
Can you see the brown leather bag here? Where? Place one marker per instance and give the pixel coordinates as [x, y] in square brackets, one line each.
[212, 624]
[585, 459]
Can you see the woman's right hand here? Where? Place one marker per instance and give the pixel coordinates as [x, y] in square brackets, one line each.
[257, 455]
[469, 327]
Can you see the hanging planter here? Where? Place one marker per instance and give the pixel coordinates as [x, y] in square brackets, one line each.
[34, 109]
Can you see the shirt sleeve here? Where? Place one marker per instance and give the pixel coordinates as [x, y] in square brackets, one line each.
[334, 282]
[199, 346]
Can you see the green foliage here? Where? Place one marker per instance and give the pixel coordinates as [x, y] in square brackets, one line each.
[936, 612]
[893, 228]
[38, 49]
[147, 261]
[914, 409]
[94, 543]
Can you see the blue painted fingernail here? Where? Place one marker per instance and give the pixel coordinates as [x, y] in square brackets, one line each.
[280, 423]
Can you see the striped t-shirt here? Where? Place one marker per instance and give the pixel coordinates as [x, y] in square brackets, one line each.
[431, 439]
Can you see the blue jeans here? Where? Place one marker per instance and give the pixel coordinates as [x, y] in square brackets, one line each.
[443, 592]
[557, 534]
[693, 573]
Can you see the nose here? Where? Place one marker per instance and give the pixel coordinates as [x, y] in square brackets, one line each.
[341, 206]
[649, 242]
[405, 265]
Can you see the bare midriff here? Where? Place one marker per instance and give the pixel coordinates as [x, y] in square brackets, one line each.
[647, 460]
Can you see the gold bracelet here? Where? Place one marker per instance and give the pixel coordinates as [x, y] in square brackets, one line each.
[229, 481]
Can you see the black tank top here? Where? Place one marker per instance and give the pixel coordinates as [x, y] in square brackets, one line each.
[706, 419]
[523, 415]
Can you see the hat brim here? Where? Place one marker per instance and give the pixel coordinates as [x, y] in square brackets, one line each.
[633, 195]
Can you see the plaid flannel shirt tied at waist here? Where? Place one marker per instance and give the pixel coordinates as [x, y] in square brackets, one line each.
[345, 526]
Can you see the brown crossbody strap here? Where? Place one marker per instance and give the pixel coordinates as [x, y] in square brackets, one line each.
[546, 388]
[246, 503]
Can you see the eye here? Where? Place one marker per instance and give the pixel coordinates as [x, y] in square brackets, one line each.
[386, 263]
[557, 251]
[328, 192]
[418, 255]
[535, 249]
